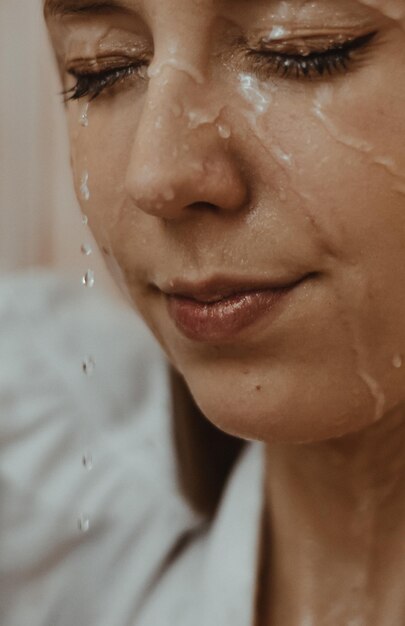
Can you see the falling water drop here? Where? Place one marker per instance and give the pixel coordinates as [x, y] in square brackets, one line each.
[83, 523]
[84, 186]
[87, 461]
[85, 219]
[84, 117]
[86, 249]
[89, 365]
[224, 131]
[89, 279]
[397, 361]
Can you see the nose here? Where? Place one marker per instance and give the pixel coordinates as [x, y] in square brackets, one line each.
[182, 160]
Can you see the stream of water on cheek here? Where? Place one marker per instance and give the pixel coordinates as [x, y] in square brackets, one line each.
[260, 97]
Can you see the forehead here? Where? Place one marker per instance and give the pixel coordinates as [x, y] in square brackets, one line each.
[61, 6]
[393, 9]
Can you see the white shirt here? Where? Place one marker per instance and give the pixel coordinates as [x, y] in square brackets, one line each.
[147, 559]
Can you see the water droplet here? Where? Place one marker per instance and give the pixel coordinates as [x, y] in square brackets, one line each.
[281, 156]
[277, 32]
[200, 117]
[89, 366]
[397, 361]
[282, 195]
[86, 249]
[84, 186]
[84, 117]
[178, 64]
[89, 279]
[83, 523]
[87, 461]
[85, 219]
[224, 131]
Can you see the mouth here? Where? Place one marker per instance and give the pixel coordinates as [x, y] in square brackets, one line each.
[217, 310]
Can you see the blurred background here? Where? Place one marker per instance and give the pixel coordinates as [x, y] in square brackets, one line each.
[40, 221]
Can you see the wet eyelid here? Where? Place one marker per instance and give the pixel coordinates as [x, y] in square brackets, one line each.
[99, 64]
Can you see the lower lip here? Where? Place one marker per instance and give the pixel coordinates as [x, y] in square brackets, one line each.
[221, 321]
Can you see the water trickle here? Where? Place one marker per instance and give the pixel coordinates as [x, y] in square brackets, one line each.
[86, 249]
[390, 165]
[83, 523]
[400, 188]
[84, 186]
[375, 391]
[198, 117]
[387, 162]
[178, 64]
[282, 157]
[277, 32]
[85, 219]
[253, 91]
[224, 131]
[89, 279]
[87, 461]
[84, 116]
[89, 365]
[347, 140]
[397, 361]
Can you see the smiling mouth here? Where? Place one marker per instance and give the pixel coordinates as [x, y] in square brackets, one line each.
[217, 311]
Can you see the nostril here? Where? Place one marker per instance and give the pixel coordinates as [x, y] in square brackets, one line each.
[204, 206]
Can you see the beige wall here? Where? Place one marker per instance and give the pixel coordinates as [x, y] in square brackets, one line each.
[40, 220]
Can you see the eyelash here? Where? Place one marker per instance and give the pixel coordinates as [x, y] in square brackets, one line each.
[92, 84]
[313, 65]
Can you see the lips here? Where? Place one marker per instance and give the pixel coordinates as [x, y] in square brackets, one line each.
[219, 310]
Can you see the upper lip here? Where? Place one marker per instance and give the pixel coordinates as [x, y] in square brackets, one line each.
[221, 287]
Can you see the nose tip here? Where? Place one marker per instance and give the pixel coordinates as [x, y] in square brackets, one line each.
[172, 188]
[180, 158]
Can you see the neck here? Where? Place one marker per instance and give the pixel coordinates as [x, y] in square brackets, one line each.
[336, 513]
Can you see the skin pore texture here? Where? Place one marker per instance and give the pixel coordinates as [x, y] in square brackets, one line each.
[263, 141]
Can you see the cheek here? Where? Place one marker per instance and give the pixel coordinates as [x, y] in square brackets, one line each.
[347, 178]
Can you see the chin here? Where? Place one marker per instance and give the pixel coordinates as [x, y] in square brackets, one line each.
[278, 409]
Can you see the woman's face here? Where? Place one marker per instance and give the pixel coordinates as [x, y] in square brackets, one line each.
[223, 149]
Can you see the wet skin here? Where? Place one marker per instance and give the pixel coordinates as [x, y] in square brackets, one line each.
[264, 142]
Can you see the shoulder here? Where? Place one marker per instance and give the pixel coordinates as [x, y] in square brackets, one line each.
[52, 414]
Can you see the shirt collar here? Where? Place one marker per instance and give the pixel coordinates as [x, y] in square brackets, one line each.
[232, 557]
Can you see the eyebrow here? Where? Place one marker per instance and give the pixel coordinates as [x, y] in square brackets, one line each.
[59, 8]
